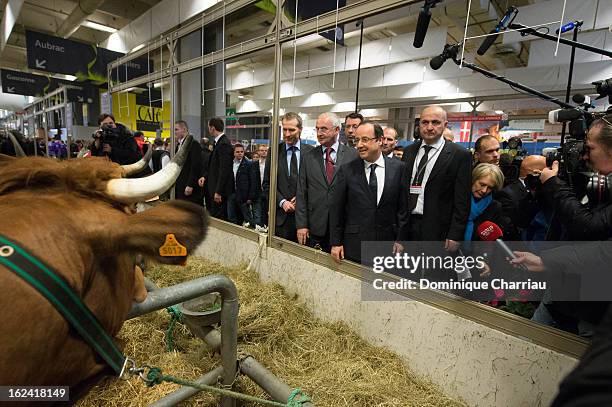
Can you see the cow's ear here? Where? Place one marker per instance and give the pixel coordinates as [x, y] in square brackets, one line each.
[146, 232]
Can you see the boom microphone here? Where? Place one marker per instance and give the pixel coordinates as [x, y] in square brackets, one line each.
[489, 232]
[450, 51]
[423, 23]
[503, 24]
[569, 26]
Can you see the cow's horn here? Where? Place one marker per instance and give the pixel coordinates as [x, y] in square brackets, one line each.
[130, 190]
[138, 166]
[18, 150]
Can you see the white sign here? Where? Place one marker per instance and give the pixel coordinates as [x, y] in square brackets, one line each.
[535, 124]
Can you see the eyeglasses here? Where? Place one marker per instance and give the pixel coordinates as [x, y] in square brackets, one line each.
[364, 140]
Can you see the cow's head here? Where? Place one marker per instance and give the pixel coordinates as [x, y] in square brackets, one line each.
[77, 217]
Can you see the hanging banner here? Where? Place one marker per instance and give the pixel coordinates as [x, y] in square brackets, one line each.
[27, 84]
[470, 118]
[85, 61]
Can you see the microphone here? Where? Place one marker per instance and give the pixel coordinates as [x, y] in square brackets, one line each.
[450, 51]
[564, 115]
[489, 232]
[569, 26]
[423, 23]
[503, 24]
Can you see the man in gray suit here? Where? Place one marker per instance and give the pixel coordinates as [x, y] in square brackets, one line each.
[317, 176]
[290, 158]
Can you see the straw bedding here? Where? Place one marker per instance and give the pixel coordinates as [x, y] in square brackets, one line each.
[327, 360]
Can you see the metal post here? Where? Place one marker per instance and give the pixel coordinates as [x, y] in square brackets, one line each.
[358, 67]
[165, 297]
[569, 80]
[267, 380]
[273, 153]
[185, 392]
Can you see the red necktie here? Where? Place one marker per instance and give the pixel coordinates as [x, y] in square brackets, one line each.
[329, 165]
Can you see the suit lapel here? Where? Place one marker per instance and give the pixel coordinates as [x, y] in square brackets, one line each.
[412, 155]
[319, 156]
[282, 158]
[441, 162]
[388, 180]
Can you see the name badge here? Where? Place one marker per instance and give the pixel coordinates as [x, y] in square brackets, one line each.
[416, 189]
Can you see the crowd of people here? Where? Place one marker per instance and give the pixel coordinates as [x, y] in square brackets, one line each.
[357, 185]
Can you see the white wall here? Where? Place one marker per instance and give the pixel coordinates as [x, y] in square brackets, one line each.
[480, 365]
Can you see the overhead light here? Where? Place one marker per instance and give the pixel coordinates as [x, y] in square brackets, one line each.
[136, 48]
[99, 27]
[240, 96]
[499, 112]
[69, 77]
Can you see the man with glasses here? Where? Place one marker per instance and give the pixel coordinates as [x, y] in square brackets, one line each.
[290, 158]
[351, 122]
[368, 199]
[439, 176]
[317, 176]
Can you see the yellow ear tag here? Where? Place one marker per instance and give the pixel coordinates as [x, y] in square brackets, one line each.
[172, 248]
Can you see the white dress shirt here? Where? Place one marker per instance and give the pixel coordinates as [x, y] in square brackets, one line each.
[432, 157]
[262, 169]
[218, 137]
[380, 175]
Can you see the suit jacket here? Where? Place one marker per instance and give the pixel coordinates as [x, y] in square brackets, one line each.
[447, 192]
[244, 184]
[205, 161]
[282, 182]
[313, 191]
[354, 215]
[519, 205]
[220, 169]
[190, 173]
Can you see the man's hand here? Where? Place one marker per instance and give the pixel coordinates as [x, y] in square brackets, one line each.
[397, 248]
[188, 191]
[293, 200]
[217, 198]
[529, 260]
[302, 235]
[451, 245]
[486, 270]
[106, 148]
[548, 173]
[201, 182]
[288, 207]
[337, 253]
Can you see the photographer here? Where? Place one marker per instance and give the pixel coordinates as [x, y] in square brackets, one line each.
[581, 222]
[584, 222]
[114, 141]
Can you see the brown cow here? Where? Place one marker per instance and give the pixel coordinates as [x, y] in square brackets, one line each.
[74, 216]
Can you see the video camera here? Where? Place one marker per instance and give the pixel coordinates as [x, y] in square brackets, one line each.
[107, 134]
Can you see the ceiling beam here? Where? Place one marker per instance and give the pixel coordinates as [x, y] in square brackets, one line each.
[9, 18]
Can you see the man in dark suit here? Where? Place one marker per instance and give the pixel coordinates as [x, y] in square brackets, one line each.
[290, 157]
[439, 176]
[317, 175]
[368, 199]
[260, 207]
[186, 186]
[240, 202]
[486, 150]
[219, 183]
[520, 203]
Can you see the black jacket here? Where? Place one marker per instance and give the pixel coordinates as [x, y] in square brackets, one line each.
[205, 161]
[190, 173]
[124, 149]
[245, 186]
[582, 222]
[354, 216]
[520, 205]
[447, 192]
[493, 213]
[220, 169]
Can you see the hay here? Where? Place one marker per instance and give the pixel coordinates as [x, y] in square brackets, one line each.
[328, 361]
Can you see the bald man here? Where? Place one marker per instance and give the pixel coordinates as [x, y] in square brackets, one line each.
[440, 174]
[518, 199]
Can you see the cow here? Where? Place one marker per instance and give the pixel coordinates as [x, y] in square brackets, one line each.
[76, 216]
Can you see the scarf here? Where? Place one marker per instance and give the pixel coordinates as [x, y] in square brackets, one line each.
[476, 209]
